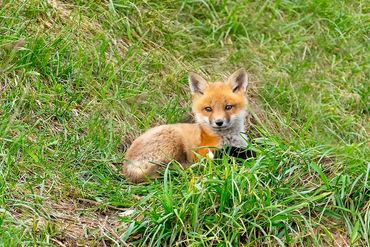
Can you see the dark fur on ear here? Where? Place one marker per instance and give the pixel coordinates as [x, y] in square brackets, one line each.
[239, 81]
[197, 83]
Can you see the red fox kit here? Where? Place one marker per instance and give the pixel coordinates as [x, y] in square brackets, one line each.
[219, 110]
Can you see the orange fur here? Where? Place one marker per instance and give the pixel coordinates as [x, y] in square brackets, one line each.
[162, 144]
[208, 142]
[213, 98]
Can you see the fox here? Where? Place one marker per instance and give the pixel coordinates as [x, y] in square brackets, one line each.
[219, 109]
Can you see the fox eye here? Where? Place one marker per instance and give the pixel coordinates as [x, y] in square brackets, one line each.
[228, 107]
[208, 109]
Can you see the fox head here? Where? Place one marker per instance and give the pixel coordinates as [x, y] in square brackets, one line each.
[220, 105]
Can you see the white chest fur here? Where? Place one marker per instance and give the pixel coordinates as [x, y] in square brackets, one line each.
[236, 140]
[234, 136]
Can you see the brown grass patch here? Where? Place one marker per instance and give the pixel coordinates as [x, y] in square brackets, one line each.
[78, 222]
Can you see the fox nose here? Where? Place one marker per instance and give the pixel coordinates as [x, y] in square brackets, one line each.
[219, 122]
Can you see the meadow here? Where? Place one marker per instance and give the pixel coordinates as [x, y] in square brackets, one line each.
[79, 80]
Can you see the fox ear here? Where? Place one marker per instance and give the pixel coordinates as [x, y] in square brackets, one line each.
[239, 81]
[197, 83]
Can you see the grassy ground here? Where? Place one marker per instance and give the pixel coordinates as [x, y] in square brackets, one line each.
[80, 79]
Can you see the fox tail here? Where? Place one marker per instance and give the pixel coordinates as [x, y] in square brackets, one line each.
[138, 171]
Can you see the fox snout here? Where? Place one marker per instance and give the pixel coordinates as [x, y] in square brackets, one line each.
[219, 123]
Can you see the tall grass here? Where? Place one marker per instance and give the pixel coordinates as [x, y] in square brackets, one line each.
[79, 80]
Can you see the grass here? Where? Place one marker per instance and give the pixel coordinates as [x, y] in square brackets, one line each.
[79, 80]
